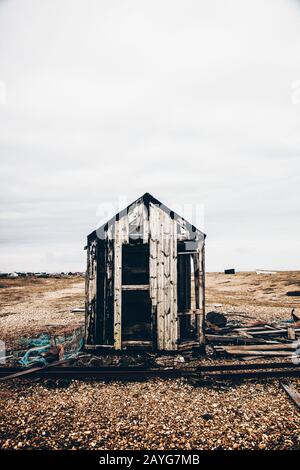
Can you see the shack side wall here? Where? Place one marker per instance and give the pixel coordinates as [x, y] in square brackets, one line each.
[91, 293]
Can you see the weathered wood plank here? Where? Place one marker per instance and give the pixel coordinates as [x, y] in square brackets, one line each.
[272, 332]
[124, 229]
[292, 393]
[91, 283]
[87, 313]
[135, 287]
[108, 334]
[166, 279]
[263, 347]
[145, 221]
[118, 288]
[153, 242]
[160, 285]
[173, 286]
[202, 293]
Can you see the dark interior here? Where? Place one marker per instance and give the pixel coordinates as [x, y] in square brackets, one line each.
[135, 264]
[136, 305]
[184, 282]
[136, 316]
[184, 279]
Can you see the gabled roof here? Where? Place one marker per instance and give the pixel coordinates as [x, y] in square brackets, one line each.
[146, 199]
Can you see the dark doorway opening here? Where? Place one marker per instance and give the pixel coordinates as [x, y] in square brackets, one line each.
[184, 294]
[136, 316]
[136, 304]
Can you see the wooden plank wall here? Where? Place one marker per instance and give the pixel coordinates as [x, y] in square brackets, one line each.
[108, 333]
[153, 278]
[137, 222]
[202, 294]
[91, 290]
[163, 277]
[118, 286]
[199, 278]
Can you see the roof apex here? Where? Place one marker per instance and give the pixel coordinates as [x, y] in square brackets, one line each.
[146, 198]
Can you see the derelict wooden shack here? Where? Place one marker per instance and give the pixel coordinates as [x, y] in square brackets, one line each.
[145, 280]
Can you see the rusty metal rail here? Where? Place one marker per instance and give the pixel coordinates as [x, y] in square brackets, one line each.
[202, 373]
[90, 372]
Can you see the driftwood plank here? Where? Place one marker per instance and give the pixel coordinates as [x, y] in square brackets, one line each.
[263, 347]
[272, 332]
[293, 394]
[236, 338]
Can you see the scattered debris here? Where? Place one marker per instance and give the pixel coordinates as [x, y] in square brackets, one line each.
[255, 339]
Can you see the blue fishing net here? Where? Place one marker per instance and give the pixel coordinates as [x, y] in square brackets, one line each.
[72, 343]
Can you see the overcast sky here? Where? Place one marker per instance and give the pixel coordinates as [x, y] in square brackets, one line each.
[197, 102]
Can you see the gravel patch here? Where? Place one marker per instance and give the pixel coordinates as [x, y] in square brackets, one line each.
[155, 414]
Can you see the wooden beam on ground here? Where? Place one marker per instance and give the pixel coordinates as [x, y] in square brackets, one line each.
[292, 393]
[264, 347]
[272, 332]
[234, 339]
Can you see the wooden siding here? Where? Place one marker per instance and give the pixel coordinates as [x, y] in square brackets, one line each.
[118, 286]
[163, 277]
[91, 292]
[108, 334]
[199, 273]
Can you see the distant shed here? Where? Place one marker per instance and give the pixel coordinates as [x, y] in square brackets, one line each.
[145, 280]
